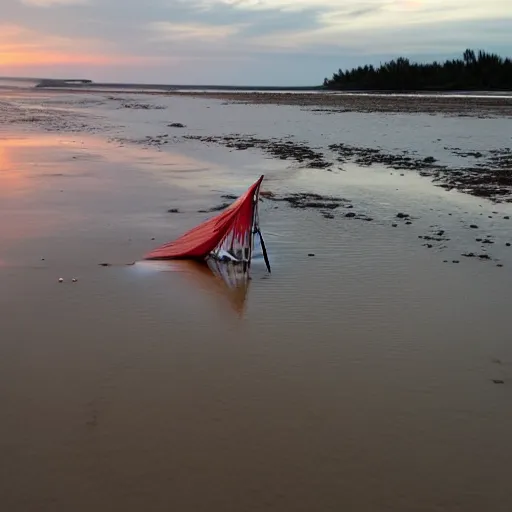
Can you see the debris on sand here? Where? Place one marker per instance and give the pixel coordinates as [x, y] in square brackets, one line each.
[325, 204]
[310, 200]
[473, 255]
[176, 125]
[156, 141]
[366, 157]
[490, 177]
[141, 106]
[217, 208]
[284, 150]
[173, 210]
[437, 235]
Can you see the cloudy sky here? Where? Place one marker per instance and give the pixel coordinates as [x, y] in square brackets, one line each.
[257, 42]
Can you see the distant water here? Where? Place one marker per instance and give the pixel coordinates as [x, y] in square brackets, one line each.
[18, 83]
[30, 83]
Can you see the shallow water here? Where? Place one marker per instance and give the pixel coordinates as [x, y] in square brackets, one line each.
[359, 379]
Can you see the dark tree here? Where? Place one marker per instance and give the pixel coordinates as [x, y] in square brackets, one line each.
[482, 71]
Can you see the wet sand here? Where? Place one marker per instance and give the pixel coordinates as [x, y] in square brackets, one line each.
[448, 104]
[371, 376]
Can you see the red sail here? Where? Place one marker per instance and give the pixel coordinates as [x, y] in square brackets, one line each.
[235, 224]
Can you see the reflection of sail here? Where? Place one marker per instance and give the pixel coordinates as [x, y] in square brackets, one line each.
[228, 280]
[233, 278]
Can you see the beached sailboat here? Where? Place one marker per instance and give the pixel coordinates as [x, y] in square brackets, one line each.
[228, 236]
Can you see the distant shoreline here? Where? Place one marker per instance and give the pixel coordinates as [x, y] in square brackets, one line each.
[256, 89]
[85, 85]
[455, 103]
[88, 84]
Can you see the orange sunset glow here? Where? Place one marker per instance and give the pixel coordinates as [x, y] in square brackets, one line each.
[10, 58]
[20, 47]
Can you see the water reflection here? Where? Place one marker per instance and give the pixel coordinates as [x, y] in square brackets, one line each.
[11, 179]
[227, 280]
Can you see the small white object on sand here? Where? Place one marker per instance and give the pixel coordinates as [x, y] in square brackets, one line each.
[74, 279]
[61, 280]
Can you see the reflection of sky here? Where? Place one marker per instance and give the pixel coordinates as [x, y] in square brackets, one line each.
[35, 168]
[12, 178]
[237, 41]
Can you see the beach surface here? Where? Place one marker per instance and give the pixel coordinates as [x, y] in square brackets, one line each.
[472, 104]
[371, 371]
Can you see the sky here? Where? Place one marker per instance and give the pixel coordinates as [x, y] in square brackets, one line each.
[238, 42]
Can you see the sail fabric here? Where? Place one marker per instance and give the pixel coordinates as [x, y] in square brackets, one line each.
[229, 232]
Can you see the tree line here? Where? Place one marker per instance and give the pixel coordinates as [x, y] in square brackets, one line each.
[475, 71]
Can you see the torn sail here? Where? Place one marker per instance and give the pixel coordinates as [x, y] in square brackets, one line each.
[227, 236]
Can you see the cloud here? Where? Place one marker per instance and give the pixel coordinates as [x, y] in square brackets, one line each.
[281, 5]
[53, 3]
[396, 25]
[169, 31]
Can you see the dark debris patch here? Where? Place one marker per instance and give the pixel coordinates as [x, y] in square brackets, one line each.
[284, 150]
[437, 235]
[141, 106]
[326, 205]
[479, 256]
[466, 154]
[490, 177]
[214, 209]
[366, 157]
[310, 200]
[156, 141]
